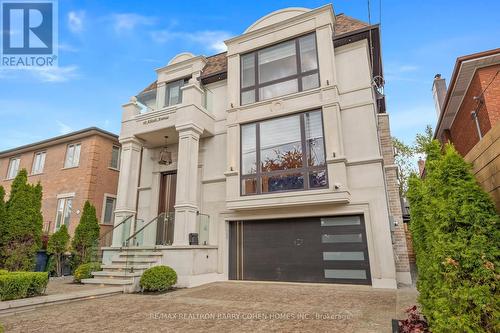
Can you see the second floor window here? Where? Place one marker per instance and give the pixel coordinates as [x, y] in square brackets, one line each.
[13, 167]
[38, 163]
[283, 154]
[115, 157]
[173, 93]
[278, 70]
[72, 155]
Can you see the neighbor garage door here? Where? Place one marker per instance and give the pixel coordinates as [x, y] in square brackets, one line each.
[313, 249]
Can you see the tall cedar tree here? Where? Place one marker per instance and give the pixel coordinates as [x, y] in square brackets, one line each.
[2, 219]
[456, 239]
[57, 246]
[86, 237]
[22, 225]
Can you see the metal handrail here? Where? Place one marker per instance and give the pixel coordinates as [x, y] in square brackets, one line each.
[143, 227]
[114, 227]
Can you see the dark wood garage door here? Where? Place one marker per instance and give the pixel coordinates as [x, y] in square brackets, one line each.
[327, 249]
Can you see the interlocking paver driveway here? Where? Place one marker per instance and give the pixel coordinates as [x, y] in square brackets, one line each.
[226, 307]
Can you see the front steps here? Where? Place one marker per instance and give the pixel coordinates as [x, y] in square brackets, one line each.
[126, 268]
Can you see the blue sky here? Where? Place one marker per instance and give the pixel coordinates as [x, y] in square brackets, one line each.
[109, 50]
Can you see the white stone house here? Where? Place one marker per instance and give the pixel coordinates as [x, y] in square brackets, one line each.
[278, 157]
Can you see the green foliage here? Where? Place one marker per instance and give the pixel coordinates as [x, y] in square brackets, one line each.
[406, 156]
[3, 216]
[158, 278]
[15, 285]
[22, 228]
[57, 246]
[456, 237]
[3, 271]
[86, 235]
[84, 271]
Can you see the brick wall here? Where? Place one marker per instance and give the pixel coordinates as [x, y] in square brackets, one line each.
[399, 235]
[463, 131]
[89, 181]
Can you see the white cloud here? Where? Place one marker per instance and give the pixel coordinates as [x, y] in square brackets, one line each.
[67, 48]
[75, 21]
[63, 128]
[212, 40]
[129, 21]
[55, 74]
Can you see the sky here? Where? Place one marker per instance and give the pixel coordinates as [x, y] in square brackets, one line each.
[108, 51]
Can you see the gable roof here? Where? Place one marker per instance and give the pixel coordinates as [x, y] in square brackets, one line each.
[217, 64]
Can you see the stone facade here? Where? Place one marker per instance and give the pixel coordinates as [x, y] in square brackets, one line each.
[394, 200]
[91, 180]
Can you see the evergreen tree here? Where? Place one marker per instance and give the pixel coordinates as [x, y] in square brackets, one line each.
[57, 246]
[456, 237]
[23, 224]
[2, 221]
[86, 237]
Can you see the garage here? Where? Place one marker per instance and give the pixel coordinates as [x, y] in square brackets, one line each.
[309, 249]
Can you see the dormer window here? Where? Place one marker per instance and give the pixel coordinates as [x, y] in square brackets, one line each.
[173, 93]
[278, 70]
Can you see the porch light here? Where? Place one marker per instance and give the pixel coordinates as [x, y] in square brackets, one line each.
[165, 155]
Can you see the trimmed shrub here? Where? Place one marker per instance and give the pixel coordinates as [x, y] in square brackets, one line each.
[456, 237]
[86, 239]
[84, 271]
[3, 271]
[15, 285]
[158, 278]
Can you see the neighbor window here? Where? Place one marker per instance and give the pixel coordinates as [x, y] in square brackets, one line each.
[279, 70]
[13, 167]
[109, 208]
[72, 156]
[283, 154]
[173, 93]
[115, 157]
[63, 214]
[38, 163]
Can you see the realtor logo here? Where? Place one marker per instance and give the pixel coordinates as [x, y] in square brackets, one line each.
[29, 33]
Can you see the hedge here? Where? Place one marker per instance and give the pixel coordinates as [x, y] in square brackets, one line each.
[84, 271]
[15, 285]
[456, 237]
[158, 278]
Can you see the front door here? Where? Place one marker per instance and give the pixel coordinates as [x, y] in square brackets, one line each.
[165, 226]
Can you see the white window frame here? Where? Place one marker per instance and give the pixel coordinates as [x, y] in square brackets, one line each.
[65, 197]
[103, 213]
[10, 174]
[67, 160]
[40, 168]
[119, 158]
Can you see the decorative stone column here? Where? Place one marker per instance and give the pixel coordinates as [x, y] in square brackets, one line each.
[186, 205]
[130, 163]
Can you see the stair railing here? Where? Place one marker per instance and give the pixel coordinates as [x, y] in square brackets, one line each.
[104, 240]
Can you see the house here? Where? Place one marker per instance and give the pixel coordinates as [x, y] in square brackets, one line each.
[469, 114]
[72, 168]
[271, 161]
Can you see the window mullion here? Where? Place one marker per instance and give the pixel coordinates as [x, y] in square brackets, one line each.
[299, 70]
[304, 151]
[257, 154]
[256, 81]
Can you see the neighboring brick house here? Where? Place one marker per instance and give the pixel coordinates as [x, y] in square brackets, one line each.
[72, 168]
[469, 111]
[279, 158]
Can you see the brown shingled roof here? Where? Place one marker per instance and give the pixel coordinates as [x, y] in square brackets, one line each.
[218, 63]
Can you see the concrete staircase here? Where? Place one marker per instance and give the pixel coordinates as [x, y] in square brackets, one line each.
[126, 268]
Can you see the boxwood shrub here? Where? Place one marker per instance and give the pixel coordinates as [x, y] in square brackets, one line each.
[84, 271]
[15, 285]
[158, 278]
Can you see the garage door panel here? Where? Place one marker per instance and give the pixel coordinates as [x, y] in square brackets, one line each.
[331, 249]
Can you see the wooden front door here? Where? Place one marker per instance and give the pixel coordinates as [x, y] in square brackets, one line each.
[165, 227]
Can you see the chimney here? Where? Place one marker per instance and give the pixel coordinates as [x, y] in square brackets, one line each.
[439, 92]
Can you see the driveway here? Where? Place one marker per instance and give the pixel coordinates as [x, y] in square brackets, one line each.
[225, 307]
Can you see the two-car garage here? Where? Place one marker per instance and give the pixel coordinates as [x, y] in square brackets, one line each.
[309, 249]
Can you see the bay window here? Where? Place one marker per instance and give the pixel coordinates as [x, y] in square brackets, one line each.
[278, 70]
[283, 154]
